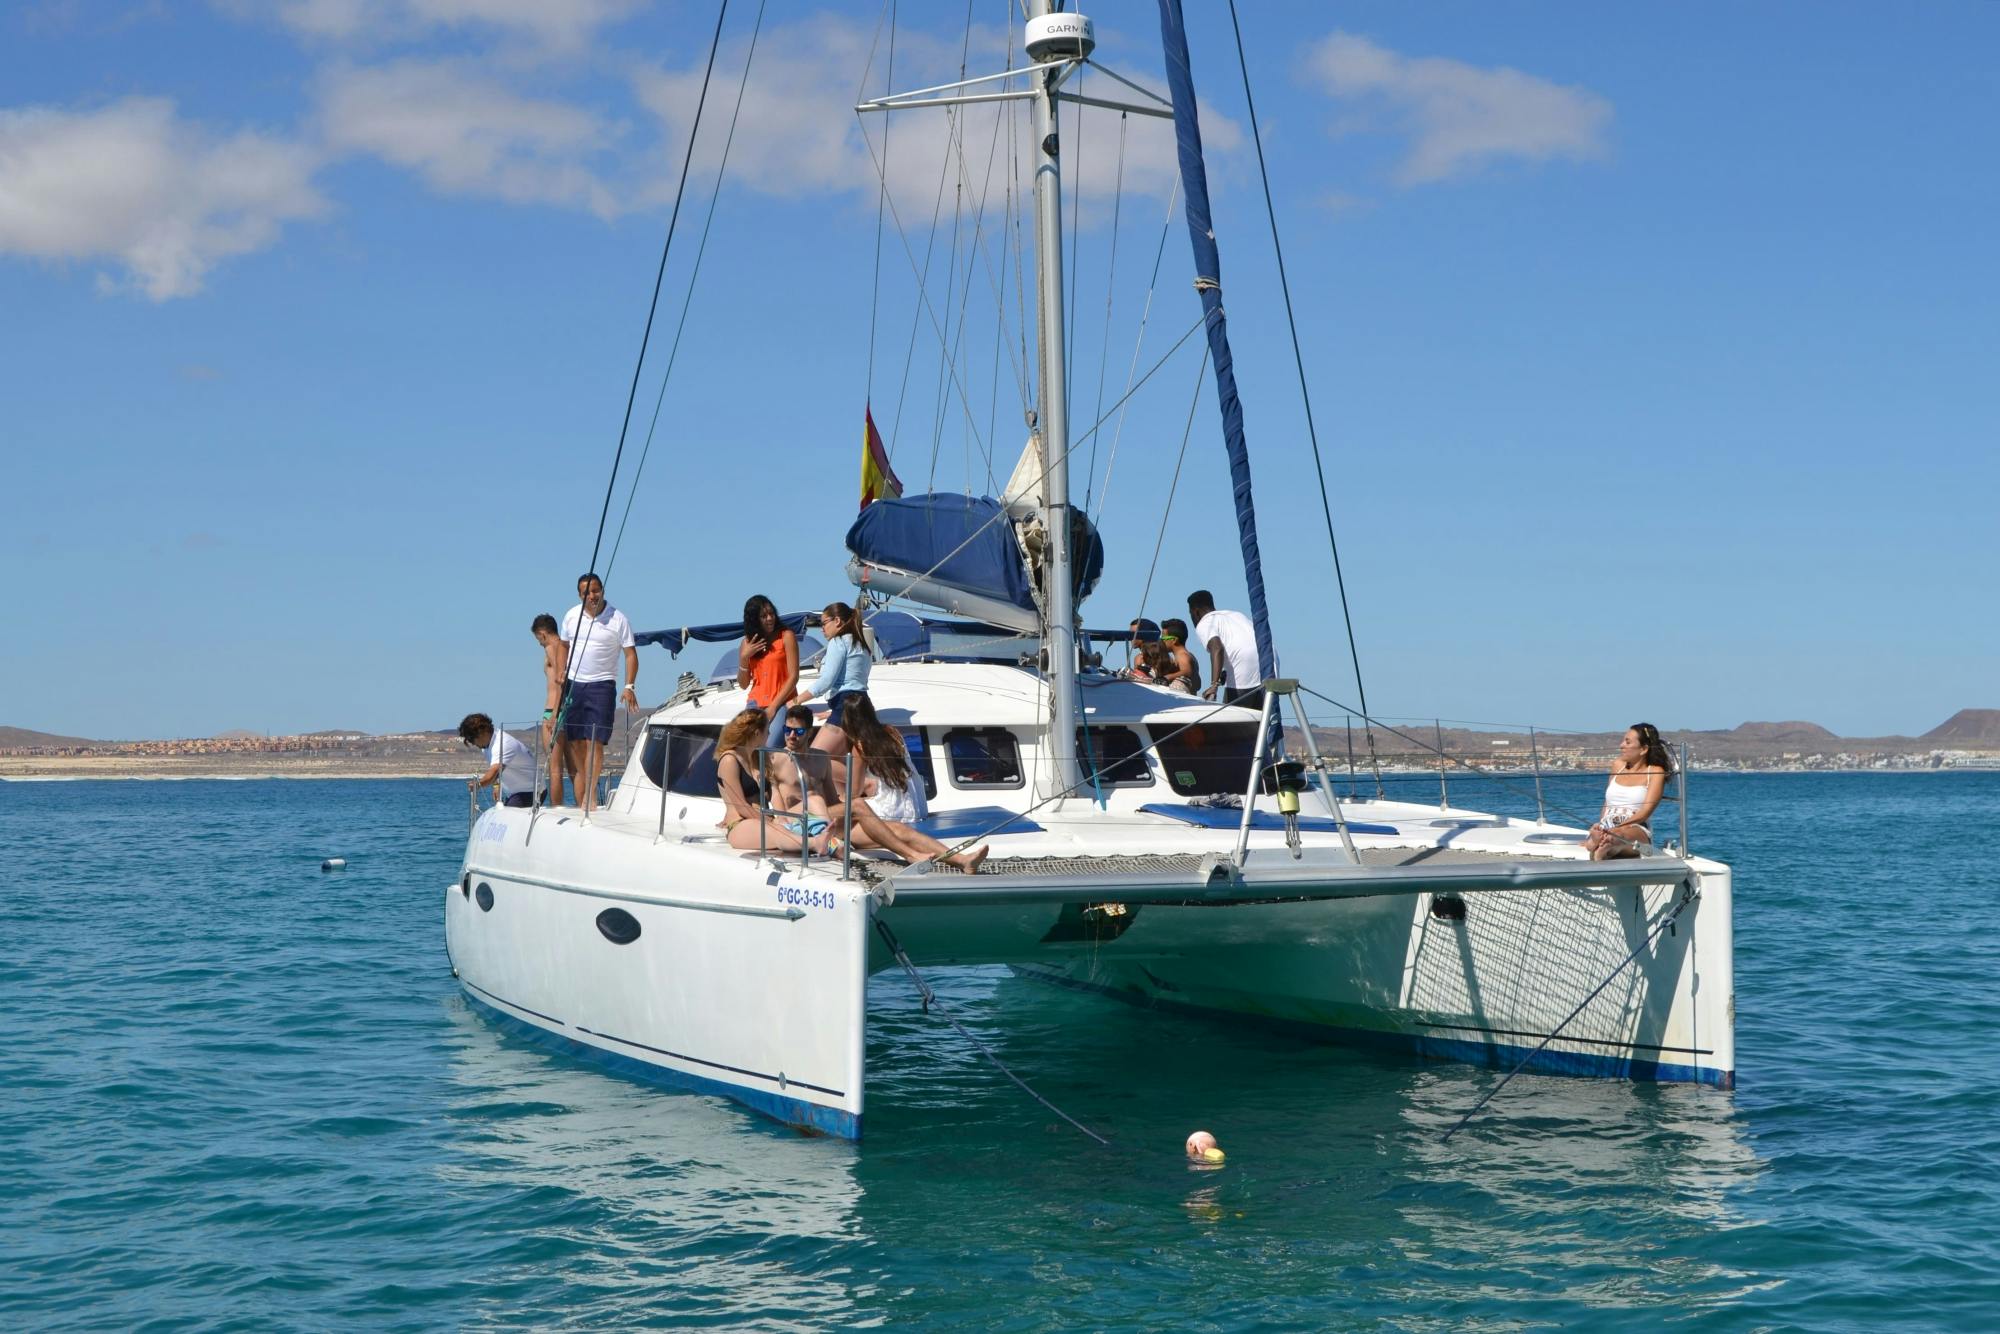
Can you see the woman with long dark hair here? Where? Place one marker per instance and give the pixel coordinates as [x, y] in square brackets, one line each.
[888, 787]
[1638, 781]
[767, 661]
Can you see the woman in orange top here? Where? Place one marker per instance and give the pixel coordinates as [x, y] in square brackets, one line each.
[768, 662]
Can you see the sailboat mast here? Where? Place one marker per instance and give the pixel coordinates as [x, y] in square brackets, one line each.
[1059, 635]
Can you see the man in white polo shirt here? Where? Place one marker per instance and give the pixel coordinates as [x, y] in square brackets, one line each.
[595, 631]
[1231, 642]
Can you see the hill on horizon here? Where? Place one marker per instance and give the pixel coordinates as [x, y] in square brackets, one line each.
[21, 736]
[1968, 725]
[1786, 731]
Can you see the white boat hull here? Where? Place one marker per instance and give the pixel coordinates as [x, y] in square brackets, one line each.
[743, 985]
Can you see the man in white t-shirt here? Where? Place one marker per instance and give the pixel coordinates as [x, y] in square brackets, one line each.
[596, 633]
[1231, 642]
[508, 762]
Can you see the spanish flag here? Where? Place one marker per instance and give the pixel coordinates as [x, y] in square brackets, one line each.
[878, 479]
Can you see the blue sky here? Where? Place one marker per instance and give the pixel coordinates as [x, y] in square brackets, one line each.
[1651, 348]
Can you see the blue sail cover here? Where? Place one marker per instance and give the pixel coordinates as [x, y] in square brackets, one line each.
[966, 542]
[1208, 280]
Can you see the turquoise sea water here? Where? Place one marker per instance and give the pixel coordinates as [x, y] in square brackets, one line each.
[239, 1093]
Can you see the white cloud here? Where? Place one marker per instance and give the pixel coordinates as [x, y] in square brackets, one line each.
[561, 24]
[1461, 117]
[465, 132]
[798, 136]
[133, 183]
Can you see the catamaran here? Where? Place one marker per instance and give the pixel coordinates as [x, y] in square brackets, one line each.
[1146, 845]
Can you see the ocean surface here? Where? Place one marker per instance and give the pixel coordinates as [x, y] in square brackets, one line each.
[237, 1093]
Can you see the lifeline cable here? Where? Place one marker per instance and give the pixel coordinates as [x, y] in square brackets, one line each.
[1687, 897]
[930, 999]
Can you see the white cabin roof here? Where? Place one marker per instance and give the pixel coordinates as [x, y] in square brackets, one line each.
[980, 694]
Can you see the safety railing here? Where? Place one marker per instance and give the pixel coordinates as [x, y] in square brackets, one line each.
[1508, 768]
[807, 785]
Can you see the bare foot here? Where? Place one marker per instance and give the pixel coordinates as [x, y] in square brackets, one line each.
[968, 862]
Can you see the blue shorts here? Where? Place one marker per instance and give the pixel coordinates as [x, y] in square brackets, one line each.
[837, 705]
[591, 707]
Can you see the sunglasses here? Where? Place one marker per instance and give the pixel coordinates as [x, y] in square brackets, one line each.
[797, 731]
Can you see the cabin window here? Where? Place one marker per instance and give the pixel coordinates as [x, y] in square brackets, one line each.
[688, 765]
[1207, 758]
[920, 760]
[1116, 753]
[983, 757]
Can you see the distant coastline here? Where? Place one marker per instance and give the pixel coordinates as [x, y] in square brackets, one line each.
[1970, 739]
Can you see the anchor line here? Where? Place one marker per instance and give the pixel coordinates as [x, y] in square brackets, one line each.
[1688, 896]
[930, 999]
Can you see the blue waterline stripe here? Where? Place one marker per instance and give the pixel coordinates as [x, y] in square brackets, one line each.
[713, 1065]
[678, 1056]
[1547, 1061]
[791, 1111]
[503, 1001]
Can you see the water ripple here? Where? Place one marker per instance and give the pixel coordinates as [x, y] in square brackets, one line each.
[242, 1093]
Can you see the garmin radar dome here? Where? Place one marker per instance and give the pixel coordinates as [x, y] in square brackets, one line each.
[1061, 37]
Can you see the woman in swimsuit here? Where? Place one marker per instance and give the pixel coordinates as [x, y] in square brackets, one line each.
[886, 782]
[767, 662]
[736, 784]
[1638, 781]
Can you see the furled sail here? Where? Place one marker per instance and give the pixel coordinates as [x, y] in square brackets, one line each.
[1208, 281]
[964, 554]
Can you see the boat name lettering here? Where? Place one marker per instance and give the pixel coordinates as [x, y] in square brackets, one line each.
[805, 898]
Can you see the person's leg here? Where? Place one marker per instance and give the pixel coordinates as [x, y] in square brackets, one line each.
[596, 772]
[912, 845]
[928, 847]
[776, 836]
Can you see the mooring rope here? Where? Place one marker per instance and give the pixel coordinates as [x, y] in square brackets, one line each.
[930, 999]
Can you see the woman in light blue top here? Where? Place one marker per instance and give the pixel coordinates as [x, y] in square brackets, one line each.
[843, 673]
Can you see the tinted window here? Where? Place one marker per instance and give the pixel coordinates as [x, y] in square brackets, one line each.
[1207, 758]
[983, 757]
[1116, 753]
[920, 759]
[691, 757]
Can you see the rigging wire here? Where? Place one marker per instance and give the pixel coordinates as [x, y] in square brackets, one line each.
[673, 353]
[1075, 235]
[1167, 513]
[923, 294]
[1110, 288]
[954, 138]
[1074, 445]
[1305, 395]
[881, 190]
[632, 395]
[1139, 342]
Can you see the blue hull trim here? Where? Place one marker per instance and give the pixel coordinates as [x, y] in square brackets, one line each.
[1495, 1054]
[792, 1111]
